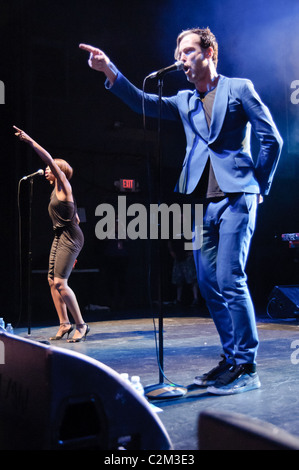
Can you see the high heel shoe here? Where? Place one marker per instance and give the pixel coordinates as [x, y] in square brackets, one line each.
[81, 338]
[67, 332]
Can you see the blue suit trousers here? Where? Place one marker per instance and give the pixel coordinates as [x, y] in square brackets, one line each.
[228, 226]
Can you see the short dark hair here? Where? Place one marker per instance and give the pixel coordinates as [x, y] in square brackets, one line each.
[206, 39]
[65, 167]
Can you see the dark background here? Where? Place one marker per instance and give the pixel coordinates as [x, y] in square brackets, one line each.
[52, 94]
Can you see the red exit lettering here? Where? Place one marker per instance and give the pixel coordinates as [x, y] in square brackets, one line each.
[128, 184]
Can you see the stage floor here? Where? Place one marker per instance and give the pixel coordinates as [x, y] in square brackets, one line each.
[191, 347]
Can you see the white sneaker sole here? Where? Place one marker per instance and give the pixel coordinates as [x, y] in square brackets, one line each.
[240, 385]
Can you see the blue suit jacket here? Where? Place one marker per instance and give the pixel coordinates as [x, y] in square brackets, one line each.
[237, 109]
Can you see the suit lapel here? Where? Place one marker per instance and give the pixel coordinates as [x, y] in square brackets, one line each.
[219, 108]
[197, 117]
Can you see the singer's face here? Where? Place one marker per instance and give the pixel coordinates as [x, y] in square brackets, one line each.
[49, 175]
[191, 53]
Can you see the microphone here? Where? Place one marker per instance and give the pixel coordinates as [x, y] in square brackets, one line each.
[38, 172]
[171, 68]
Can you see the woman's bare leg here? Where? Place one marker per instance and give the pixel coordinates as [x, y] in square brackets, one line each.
[68, 298]
[61, 309]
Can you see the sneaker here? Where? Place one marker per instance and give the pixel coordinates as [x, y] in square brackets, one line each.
[209, 378]
[237, 379]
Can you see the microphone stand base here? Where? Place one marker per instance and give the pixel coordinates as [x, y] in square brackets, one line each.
[164, 391]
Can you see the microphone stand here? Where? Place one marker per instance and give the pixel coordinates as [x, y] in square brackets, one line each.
[161, 390]
[29, 258]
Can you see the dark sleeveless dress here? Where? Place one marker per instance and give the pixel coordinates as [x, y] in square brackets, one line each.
[68, 237]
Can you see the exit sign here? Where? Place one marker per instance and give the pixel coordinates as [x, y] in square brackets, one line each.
[127, 185]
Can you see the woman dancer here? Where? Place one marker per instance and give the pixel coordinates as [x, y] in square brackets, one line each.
[67, 244]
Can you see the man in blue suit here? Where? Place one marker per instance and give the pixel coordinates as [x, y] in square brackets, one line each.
[218, 171]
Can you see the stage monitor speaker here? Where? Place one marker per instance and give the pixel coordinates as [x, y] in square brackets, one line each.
[52, 398]
[284, 302]
[233, 431]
